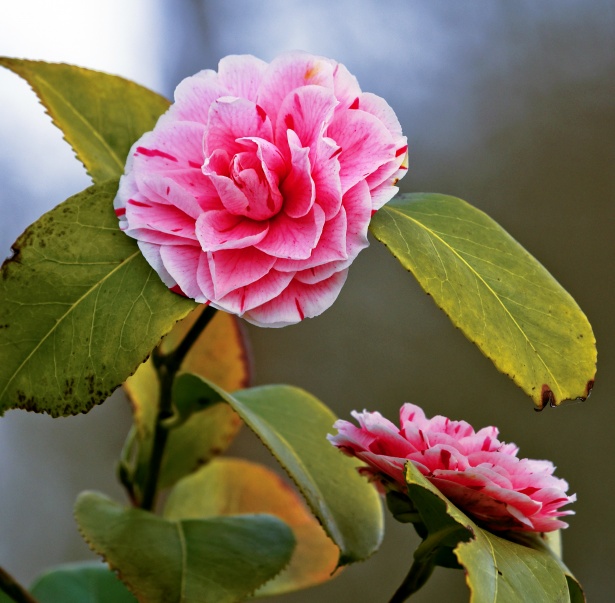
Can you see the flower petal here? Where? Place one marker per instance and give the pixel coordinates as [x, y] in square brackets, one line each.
[218, 230]
[298, 301]
[182, 263]
[241, 75]
[234, 268]
[293, 238]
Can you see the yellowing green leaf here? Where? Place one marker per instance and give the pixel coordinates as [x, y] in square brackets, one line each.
[497, 570]
[500, 296]
[101, 115]
[80, 308]
[215, 560]
[294, 425]
[233, 486]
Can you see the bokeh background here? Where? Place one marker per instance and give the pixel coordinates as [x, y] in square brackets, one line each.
[509, 105]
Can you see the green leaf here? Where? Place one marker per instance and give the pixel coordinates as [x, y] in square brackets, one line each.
[294, 425]
[80, 308]
[233, 486]
[91, 582]
[220, 354]
[497, 569]
[500, 296]
[219, 560]
[100, 115]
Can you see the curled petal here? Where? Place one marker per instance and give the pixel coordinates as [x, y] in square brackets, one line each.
[218, 230]
[231, 269]
[298, 301]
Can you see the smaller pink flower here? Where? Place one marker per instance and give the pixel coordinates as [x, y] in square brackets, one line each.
[474, 470]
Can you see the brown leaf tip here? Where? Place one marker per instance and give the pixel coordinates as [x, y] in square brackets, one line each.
[547, 397]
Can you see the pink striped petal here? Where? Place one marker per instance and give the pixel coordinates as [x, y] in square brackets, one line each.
[331, 247]
[182, 262]
[260, 292]
[366, 145]
[290, 71]
[298, 188]
[345, 86]
[307, 111]
[298, 301]
[293, 238]
[234, 268]
[241, 75]
[151, 252]
[218, 230]
[232, 118]
[194, 96]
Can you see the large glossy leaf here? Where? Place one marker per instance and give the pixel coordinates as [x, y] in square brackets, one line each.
[86, 582]
[497, 570]
[100, 115]
[294, 425]
[501, 297]
[216, 560]
[221, 355]
[233, 486]
[80, 308]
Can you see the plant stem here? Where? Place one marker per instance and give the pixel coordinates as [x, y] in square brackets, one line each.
[417, 576]
[13, 589]
[167, 366]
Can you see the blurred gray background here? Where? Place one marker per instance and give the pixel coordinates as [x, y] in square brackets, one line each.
[508, 105]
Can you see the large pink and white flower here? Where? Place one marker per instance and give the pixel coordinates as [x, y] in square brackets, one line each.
[255, 189]
[474, 470]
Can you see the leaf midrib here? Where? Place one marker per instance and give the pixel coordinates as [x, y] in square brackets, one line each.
[52, 91]
[477, 275]
[62, 318]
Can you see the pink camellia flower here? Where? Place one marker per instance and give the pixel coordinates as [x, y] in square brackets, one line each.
[474, 470]
[255, 189]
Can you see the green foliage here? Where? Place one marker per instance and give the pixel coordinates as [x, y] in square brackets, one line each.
[293, 425]
[495, 292]
[80, 308]
[497, 569]
[100, 115]
[228, 486]
[216, 560]
[80, 583]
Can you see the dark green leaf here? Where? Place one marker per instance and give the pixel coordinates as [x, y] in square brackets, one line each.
[80, 308]
[294, 425]
[234, 486]
[100, 115]
[219, 560]
[497, 569]
[87, 582]
[500, 296]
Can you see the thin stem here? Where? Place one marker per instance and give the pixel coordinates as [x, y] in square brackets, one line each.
[167, 366]
[417, 576]
[13, 589]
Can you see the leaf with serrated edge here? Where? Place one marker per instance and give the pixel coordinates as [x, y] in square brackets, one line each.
[500, 296]
[234, 486]
[101, 115]
[497, 570]
[216, 560]
[78, 582]
[293, 424]
[80, 308]
[221, 354]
